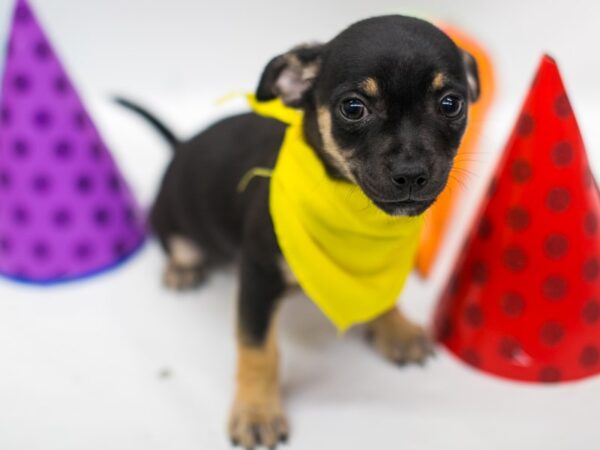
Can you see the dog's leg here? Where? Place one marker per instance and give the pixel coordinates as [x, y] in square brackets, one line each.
[257, 415]
[398, 339]
[185, 265]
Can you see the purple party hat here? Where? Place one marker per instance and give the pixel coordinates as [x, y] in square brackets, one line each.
[65, 210]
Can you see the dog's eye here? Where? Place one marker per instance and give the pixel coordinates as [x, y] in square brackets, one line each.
[353, 109]
[451, 106]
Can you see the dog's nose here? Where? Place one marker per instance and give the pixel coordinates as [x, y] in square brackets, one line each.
[415, 177]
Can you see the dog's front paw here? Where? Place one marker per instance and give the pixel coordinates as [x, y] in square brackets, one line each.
[401, 341]
[251, 425]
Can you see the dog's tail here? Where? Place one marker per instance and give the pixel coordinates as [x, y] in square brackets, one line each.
[164, 131]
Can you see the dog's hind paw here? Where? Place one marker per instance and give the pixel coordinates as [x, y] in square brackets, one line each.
[253, 425]
[182, 278]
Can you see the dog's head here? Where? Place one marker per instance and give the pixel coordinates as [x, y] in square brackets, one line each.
[386, 105]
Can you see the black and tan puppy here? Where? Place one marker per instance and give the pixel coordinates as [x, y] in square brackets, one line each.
[385, 105]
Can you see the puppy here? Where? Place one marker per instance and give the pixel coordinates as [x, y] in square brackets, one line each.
[385, 107]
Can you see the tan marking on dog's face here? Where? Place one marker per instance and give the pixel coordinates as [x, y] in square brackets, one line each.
[257, 411]
[330, 146]
[439, 80]
[370, 87]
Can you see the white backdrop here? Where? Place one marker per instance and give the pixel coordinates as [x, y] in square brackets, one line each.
[83, 366]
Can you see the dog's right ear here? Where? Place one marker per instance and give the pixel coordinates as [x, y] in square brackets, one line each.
[291, 75]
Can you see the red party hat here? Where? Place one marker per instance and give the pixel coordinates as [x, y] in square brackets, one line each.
[524, 301]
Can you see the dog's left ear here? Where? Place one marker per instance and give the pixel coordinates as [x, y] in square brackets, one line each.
[291, 75]
[472, 72]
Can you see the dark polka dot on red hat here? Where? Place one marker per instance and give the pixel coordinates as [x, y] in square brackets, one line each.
[474, 315]
[61, 85]
[515, 258]
[21, 83]
[591, 311]
[517, 218]
[471, 357]
[526, 125]
[554, 288]
[590, 270]
[20, 148]
[485, 229]
[493, 187]
[445, 329]
[590, 223]
[562, 154]
[521, 171]
[556, 246]
[41, 250]
[549, 374]
[589, 356]
[63, 149]
[558, 199]
[83, 251]
[562, 106]
[84, 184]
[62, 218]
[42, 119]
[479, 272]
[509, 348]
[41, 183]
[21, 215]
[512, 304]
[101, 216]
[41, 50]
[552, 333]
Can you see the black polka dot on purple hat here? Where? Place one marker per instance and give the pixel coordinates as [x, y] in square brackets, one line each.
[62, 217]
[42, 183]
[42, 50]
[61, 85]
[5, 115]
[21, 83]
[21, 148]
[80, 120]
[63, 149]
[41, 250]
[119, 247]
[42, 119]
[5, 179]
[21, 215]
[101, 216]
[5, 245]
[84, 184]
[23, 14]
[83, 251]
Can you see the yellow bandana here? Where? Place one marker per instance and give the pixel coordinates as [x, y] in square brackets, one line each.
[349, 257]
